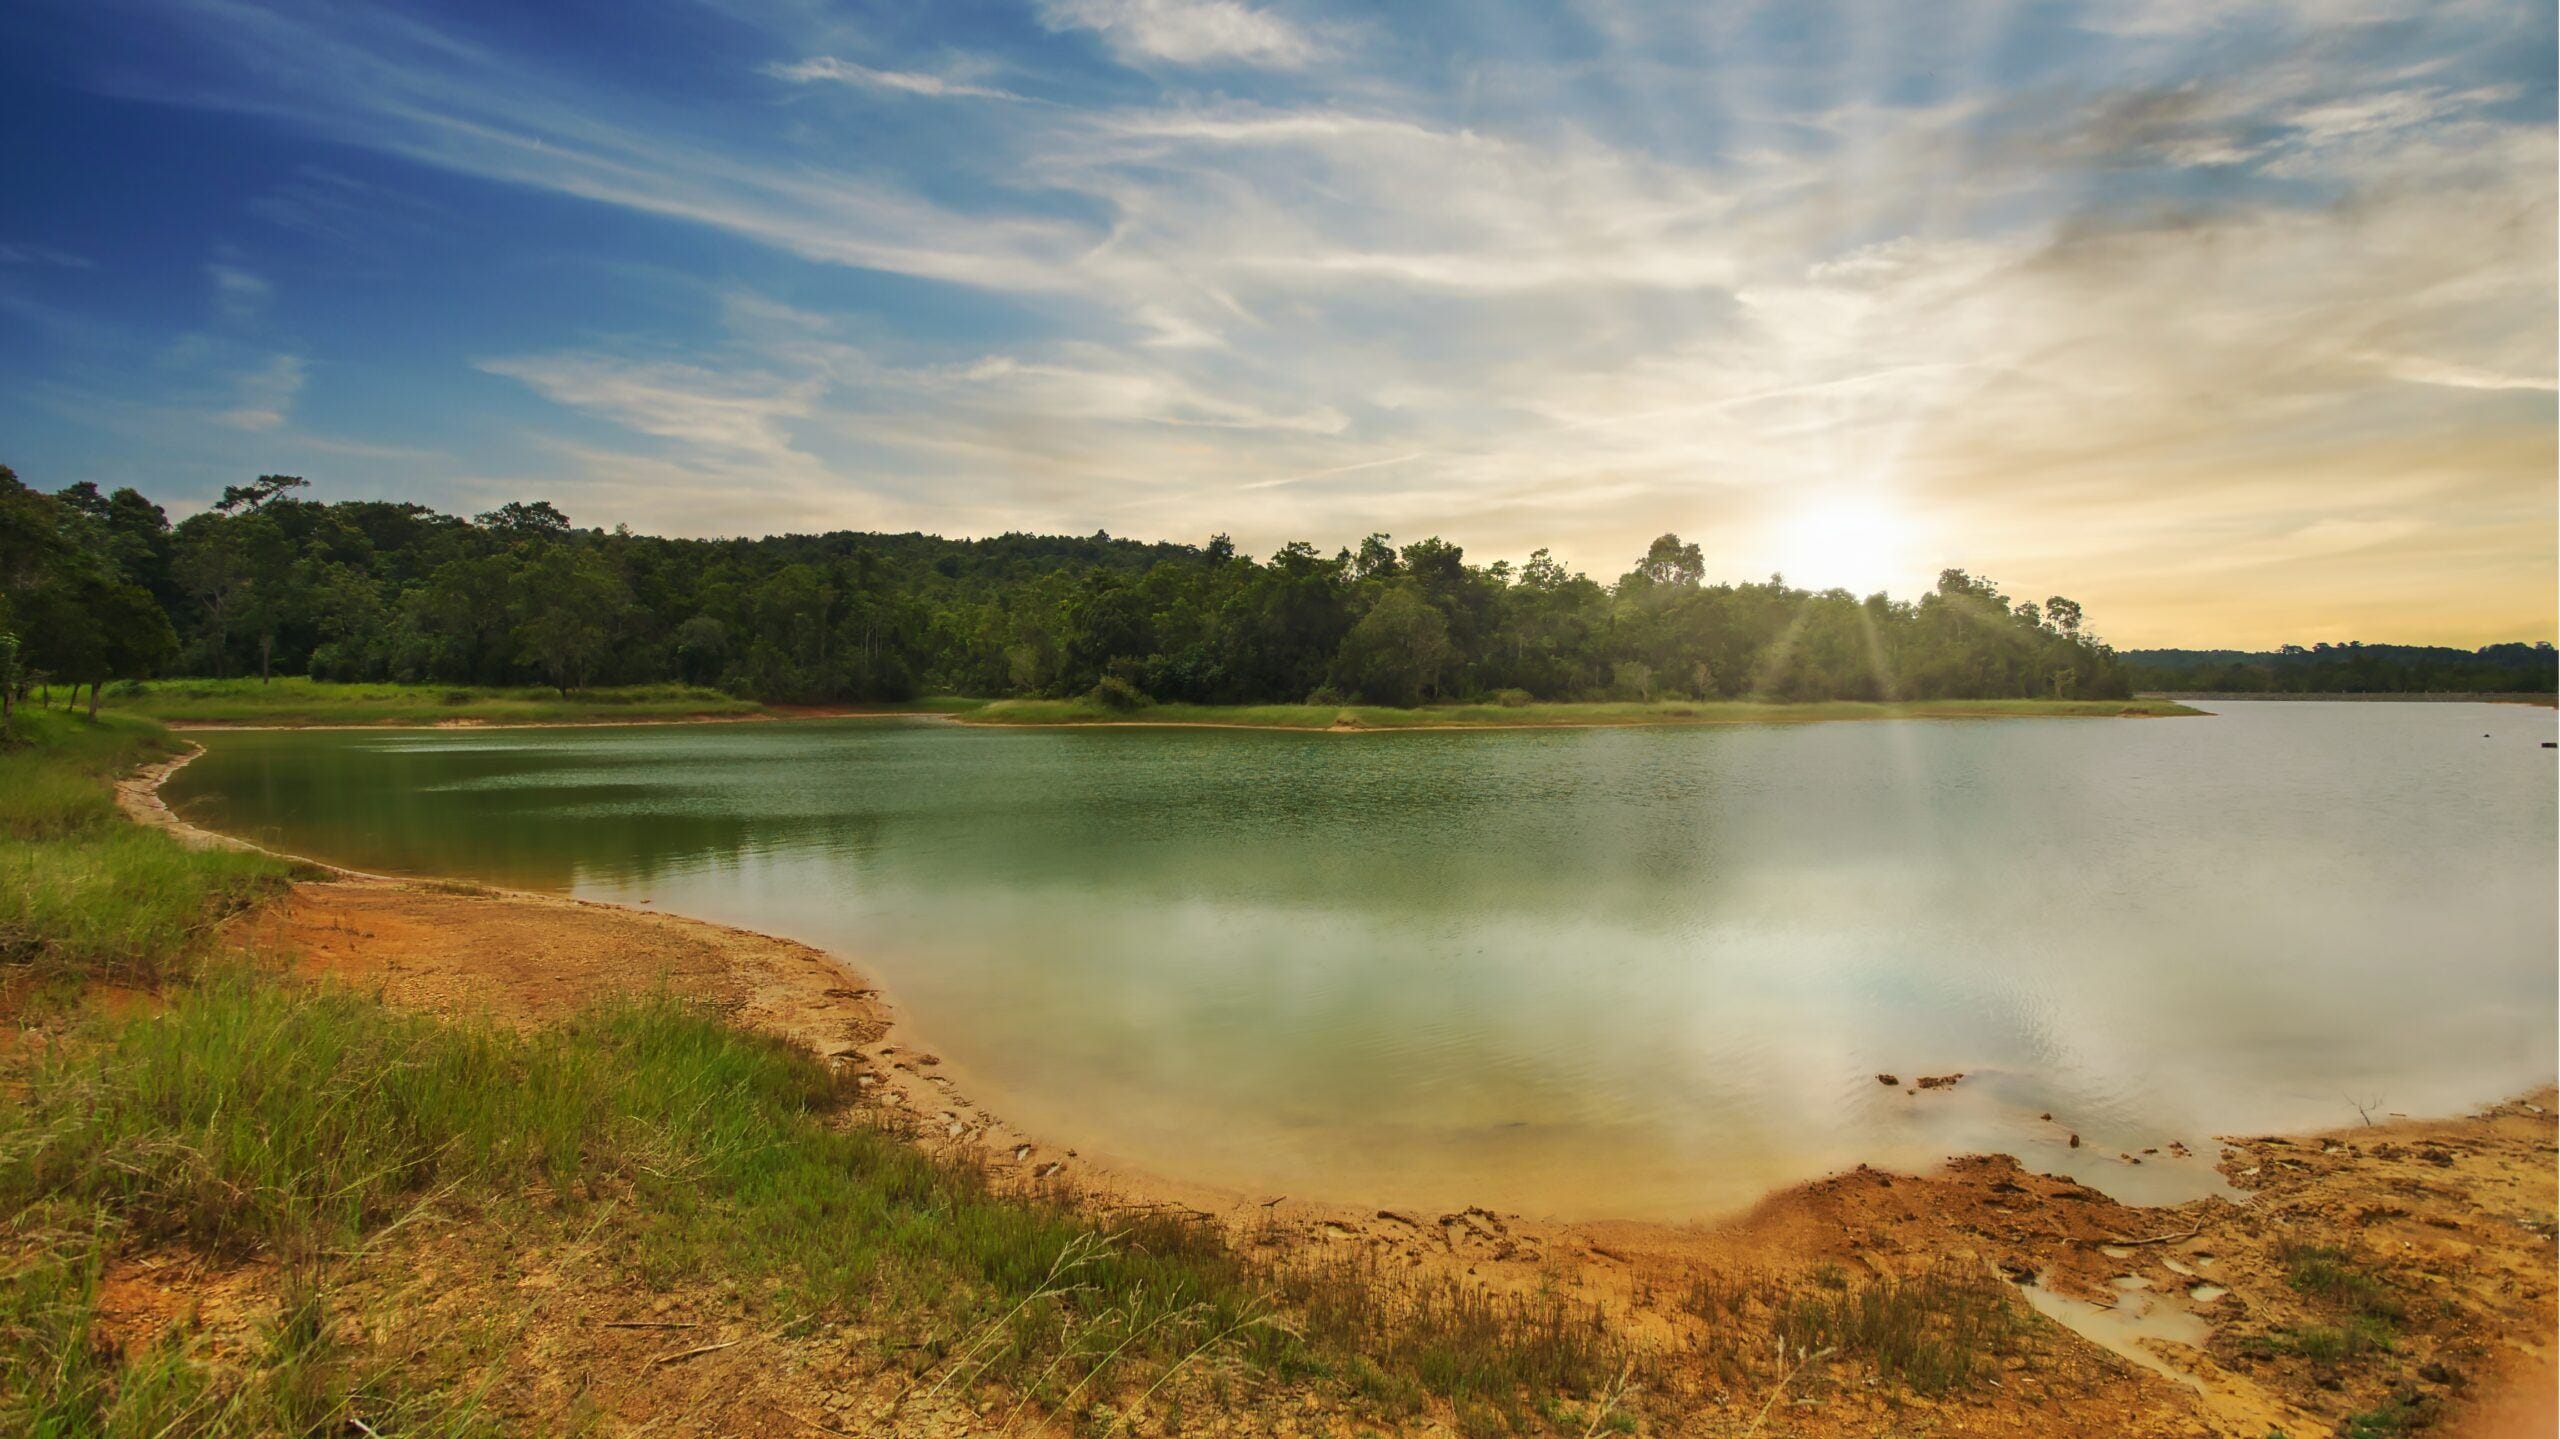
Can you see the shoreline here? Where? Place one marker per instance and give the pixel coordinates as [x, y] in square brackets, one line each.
[526, 957]
[1346, 719]
[186, 726]
[2531, 698]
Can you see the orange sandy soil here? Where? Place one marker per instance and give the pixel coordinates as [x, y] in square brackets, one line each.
[2454, 1218]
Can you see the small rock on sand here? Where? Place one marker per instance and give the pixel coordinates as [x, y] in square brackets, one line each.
[1887, 1080]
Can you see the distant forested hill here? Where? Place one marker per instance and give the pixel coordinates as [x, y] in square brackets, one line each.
[2353, 668]
[97, 587]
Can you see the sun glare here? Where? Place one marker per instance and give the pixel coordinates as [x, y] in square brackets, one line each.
[1860, 543]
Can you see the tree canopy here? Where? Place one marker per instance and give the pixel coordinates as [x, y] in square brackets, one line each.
[274, 581]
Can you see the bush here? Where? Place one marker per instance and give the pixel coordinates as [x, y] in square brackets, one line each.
[1512, 699]
[1116, 693]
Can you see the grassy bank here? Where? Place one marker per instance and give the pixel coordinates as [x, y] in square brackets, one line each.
[83, 892]
[292, 700]
[1538, 715]
[260, 1120]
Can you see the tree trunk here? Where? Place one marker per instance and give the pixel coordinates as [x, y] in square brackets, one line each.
[93, 701]
[266, 652]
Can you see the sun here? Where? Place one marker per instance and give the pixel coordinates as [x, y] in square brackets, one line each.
[1861, 543]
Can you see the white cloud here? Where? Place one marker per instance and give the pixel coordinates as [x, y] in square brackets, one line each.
[737, 413]
[1186, 32]
[238, 294]
[828, 69]
[1489, 306]
[25, 254]
[265, 395]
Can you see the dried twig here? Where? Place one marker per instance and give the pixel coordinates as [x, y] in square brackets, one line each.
[2154, 1239]
[1783, 1380]
[1609, 1398]
[683, 1354]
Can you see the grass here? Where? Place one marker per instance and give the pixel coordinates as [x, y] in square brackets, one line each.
[1451, 1338]
[1539, 715]
[260, 1116]
[2365, 1311]
[293, 700]
[1934, 1332]
[1940, 1331]
[2385, 1421]
[83, 892]
[2338, 1277]
[64, 1377]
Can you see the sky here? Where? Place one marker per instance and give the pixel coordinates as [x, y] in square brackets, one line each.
[2232, 319]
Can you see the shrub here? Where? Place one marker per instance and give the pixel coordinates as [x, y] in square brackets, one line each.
[1115, 693]
[1512, 699]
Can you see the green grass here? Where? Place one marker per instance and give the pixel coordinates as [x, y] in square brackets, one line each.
[1664, 712]
[2339, 1277]
[1933, 1333]
[59, 1377]
[262, 1116]
[292, 700]
[83, 892]
[296, 701]
[2385, 1421]
[2365, 1311]
[1940, 1331]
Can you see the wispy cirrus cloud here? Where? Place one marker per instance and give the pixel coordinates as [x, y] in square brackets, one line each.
[21, 253]
[828, 69]
[2083, 289]
[1187, 32]
[239, 295]
[264, 395]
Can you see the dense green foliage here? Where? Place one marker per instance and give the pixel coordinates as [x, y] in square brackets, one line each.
[2350, 669]
[268, 583]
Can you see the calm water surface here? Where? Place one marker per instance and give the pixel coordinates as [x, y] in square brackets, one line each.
[1648, 973]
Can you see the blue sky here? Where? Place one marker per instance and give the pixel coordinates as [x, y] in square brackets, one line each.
[2233, 319]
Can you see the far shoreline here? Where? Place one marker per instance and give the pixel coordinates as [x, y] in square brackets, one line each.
[298, 704]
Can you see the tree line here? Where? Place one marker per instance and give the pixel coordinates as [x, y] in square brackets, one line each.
[2351, 668]
[101, 587]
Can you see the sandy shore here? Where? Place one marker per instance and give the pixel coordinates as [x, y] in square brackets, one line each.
[2180, 1317]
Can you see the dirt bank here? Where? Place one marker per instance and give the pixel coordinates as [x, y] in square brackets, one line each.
[2402, 1272]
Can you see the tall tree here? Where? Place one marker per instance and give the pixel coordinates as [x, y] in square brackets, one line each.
[570, 605]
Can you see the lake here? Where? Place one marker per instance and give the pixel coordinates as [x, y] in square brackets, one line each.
[1643, 973]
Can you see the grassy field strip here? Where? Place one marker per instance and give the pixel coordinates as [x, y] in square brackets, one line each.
[295, 701]
[1546, 716]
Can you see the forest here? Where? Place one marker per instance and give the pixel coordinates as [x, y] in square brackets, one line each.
[2351, 668]
[98, 588]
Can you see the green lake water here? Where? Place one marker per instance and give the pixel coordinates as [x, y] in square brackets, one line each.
[1642, 973]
